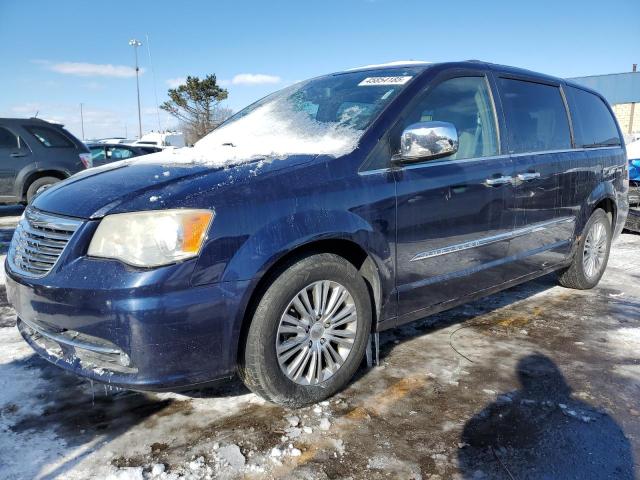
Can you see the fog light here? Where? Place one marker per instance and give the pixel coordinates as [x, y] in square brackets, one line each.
[124, 359]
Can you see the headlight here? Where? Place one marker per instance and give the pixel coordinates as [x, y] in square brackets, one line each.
[151, 238]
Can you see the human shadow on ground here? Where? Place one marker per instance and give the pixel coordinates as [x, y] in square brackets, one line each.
[542, 432]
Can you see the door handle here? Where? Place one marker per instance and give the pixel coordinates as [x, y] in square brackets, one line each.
[17, 155]
[528, 176]
[493, 182]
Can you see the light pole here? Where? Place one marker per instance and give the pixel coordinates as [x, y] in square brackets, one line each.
[135, 44]
[82, 121]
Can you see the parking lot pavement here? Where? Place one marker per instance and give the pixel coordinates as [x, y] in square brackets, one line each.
[535, 382]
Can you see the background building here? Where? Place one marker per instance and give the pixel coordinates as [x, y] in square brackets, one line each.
[622, 90]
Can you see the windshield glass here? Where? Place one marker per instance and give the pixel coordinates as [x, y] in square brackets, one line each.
[326, 115]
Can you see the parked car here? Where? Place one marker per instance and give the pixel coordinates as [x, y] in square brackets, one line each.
[162, 139]
[112, 140]
[103, 153]
[35, 154]
[633, 154]
[339, 207]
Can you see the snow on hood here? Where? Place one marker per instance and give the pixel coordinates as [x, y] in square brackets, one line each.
[276, 130]
[271, 131]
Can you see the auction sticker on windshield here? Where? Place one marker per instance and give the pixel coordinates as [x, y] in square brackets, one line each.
[375, 81]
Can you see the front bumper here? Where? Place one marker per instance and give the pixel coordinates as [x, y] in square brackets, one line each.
[131, 329]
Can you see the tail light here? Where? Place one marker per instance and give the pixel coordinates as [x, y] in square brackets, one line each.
[86, 160]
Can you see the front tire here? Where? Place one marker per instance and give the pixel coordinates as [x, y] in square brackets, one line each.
[592, 255]
[309, 332]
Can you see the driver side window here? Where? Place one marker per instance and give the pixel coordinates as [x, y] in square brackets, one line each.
[464, 102]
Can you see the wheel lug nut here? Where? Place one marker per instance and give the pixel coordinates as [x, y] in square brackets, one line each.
[310, 343]
[322, 340]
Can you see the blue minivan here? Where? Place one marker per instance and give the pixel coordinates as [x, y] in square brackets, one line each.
[283, 242]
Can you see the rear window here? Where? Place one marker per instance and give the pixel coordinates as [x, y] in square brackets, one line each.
[8, 139]
[49, 137]
[593, 124]
[536, 116]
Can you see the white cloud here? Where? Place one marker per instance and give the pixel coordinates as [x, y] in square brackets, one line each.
[93, 69]
[254, 79]
[175, 82]
[26, 109]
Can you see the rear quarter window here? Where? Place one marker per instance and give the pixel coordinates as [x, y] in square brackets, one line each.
[593, 124]
[50, 138]
[536, 116]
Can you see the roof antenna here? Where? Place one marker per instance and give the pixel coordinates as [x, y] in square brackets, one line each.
[36, 115]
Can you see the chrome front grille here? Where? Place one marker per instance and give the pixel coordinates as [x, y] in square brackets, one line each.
[38, 242]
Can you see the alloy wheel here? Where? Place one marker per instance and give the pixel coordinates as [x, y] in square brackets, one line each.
[595, 250]
[316, 333]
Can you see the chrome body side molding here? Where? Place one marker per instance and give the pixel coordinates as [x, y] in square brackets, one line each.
[492, 239]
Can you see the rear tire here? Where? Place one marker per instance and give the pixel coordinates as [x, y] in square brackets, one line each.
[39, 184]
[322, 338]
[590, 260]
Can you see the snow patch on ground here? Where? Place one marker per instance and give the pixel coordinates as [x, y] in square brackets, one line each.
[625, 341]
[21, 395]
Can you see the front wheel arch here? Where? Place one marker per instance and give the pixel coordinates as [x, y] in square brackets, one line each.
[347, 249]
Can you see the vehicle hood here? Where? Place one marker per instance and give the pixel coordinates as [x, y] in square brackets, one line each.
[156, 181]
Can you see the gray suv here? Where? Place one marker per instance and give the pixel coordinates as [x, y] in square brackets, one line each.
[35, 154]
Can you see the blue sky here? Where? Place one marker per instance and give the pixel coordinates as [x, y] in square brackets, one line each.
[56, 55]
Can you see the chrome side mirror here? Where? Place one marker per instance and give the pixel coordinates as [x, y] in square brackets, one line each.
[427, 141]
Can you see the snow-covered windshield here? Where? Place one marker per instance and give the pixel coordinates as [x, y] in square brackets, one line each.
[326, 115]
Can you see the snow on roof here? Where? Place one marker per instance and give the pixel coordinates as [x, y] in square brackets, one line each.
[395, 63]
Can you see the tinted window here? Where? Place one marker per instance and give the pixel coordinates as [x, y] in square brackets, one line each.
[97, 154]
[593, 124]
[8, 139]
[466, 103]
[50, 137]
[536, 116]
[150, 149]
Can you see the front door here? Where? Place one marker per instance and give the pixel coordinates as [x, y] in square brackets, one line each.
[454, 215]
